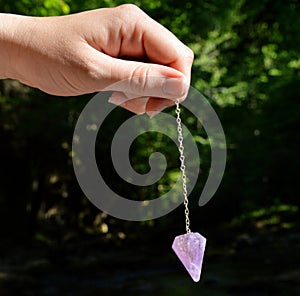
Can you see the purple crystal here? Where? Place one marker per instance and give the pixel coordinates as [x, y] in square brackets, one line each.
[189, 248]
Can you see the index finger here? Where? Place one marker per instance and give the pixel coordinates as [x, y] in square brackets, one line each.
[163, 47]
[149, 38]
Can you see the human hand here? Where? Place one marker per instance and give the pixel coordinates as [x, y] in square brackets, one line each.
[94, 50]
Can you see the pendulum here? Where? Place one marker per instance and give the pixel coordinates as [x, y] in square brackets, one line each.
[188, 247]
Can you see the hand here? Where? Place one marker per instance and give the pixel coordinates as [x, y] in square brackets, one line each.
[93, 51]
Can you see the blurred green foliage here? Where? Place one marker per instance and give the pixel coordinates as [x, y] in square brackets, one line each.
[247, 62]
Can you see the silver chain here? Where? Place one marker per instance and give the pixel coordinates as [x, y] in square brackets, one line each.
[182, 167]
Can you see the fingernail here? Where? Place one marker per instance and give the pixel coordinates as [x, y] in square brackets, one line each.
[174, 87]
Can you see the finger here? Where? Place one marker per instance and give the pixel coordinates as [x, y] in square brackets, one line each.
[142, 36]
[163, 47]
[156, 105]
[152, 106]
[135, 105]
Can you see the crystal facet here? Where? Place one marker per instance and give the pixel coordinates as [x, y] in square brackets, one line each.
[189, 248]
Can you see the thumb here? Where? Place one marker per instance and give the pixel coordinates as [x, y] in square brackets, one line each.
[139, 79]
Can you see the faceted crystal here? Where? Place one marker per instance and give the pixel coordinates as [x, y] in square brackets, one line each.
[189, 248]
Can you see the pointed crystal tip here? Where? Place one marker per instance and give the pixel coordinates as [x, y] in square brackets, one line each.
[189, 248]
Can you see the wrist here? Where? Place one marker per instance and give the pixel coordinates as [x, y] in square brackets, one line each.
[13, 31]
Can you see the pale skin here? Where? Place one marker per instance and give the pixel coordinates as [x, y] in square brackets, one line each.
[95, 50]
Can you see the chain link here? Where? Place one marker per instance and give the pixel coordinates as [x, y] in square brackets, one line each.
[182, 167]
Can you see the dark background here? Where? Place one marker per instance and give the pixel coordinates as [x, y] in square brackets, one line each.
[53, 241]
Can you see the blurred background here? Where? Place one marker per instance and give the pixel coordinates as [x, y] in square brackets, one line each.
[53, 241]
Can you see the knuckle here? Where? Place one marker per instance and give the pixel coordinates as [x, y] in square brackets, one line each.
[189, 54]
[128, 7]
[139, 78]
[129, 14]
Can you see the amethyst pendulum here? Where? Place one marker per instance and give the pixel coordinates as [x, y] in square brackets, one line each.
[188, 247]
